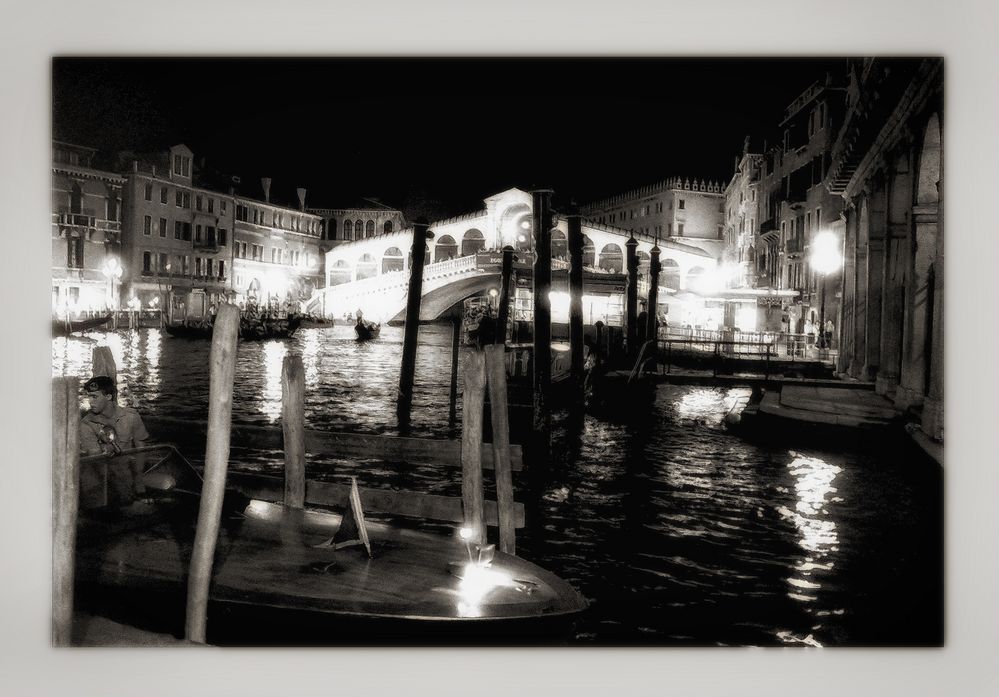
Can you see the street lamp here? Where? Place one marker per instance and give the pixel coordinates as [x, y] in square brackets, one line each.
[825, 258]
[113, 272]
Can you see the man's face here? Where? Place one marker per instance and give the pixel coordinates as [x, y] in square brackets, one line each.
[98, 401]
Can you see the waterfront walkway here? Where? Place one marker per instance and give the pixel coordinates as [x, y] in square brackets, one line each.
[829, 405]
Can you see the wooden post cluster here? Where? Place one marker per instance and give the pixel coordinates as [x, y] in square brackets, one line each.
[542, 360]
[293, 427]
[222, 373]
[65, 502]
[632, 298]
[411, 336]
[496, 373]
[576, 293]
[482, 368]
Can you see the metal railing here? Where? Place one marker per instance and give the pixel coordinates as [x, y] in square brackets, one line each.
[718, 351]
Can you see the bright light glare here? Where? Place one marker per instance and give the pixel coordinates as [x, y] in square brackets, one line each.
[526, 225]
[476, 583]
[465, 534]
[825, 256]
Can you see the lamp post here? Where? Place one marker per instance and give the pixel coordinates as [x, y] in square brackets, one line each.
[825, 258]
[113, 272]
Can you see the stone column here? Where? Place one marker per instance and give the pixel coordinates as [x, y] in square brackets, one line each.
[877, 223]
[860, 302]
[848, 285]
[922, 297]
[895, 278]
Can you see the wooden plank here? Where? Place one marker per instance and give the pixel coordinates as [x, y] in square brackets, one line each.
[474, 373]
[293, 427]
[424, 450]
[65, 503]
[405, 503]
[222, 373]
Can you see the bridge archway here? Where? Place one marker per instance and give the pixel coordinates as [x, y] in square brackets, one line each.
[472, 241]
[392, 260]
[446, 248]
[340, 272]
[694, 275]
[514, 226]
[611, 258]
[367, 266]
[670, 277]
[589, 252]
[436, 302]
[560, 246]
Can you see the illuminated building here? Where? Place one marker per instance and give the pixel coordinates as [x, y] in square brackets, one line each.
[365, 218]
[679, 210]
[86, 231]
[276, 251]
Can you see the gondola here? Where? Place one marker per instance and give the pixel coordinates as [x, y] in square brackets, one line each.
[62, 327]
[366, 330]
[250, 329]
[316, 322]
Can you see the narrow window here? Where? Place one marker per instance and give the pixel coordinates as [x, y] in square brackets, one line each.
[163, 227]
[164, 194]
[149, 192]
[147, 225]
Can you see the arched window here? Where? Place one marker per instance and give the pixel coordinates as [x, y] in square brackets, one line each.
[611, 258]
[367, 267]
[445, 249]
[387, 227]
[426, 255]
[472, 242]
[560, 247]
[369, 229]
[348, 230]
[392, 260]
[670, 275]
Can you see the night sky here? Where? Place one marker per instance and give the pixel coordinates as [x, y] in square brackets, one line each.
[433, 136]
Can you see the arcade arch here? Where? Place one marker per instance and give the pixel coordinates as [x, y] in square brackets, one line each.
[446, 248]
[472, 242]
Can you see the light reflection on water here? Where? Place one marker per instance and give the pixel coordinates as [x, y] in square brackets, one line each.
[676, 530]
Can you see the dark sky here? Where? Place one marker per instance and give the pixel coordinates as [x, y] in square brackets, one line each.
[435, 134]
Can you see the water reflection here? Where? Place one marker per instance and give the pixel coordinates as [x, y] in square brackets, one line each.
[270, 404]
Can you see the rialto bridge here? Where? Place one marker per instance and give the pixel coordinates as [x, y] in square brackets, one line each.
[372, 275]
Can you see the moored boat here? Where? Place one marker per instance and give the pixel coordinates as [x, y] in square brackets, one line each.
[274, 580]
[250, 329]
[63, 327]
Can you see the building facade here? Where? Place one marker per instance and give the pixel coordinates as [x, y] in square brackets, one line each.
[86, 232]
[360, 220]
[689, 212]
[887, 166]
[793, 206]
[741, 217]
[177, 250]
[277, 256]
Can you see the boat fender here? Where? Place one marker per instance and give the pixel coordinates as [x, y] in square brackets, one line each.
[160, 481]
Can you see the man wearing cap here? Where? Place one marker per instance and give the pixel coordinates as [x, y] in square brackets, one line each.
[108, 428]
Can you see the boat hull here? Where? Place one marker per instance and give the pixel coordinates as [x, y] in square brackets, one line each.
[65, 327]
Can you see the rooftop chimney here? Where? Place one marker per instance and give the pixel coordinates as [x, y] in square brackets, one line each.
[301, 198]
[266, 183]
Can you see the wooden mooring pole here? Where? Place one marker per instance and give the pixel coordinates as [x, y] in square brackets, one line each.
[411, 336]
[103, 363]
[293, 427]
[496, 373]
[65, 503]
[455, 344]
[222, 372]
[502, 316]
[474, 372]
[654, 268]
[542, 360]
[576, 293]
[632, 298]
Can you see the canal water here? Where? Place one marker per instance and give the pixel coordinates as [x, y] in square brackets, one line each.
[677, 531]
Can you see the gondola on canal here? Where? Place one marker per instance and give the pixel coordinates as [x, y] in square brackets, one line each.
[277, 578]
[366, 330]
[66, 326]
[250, 328]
